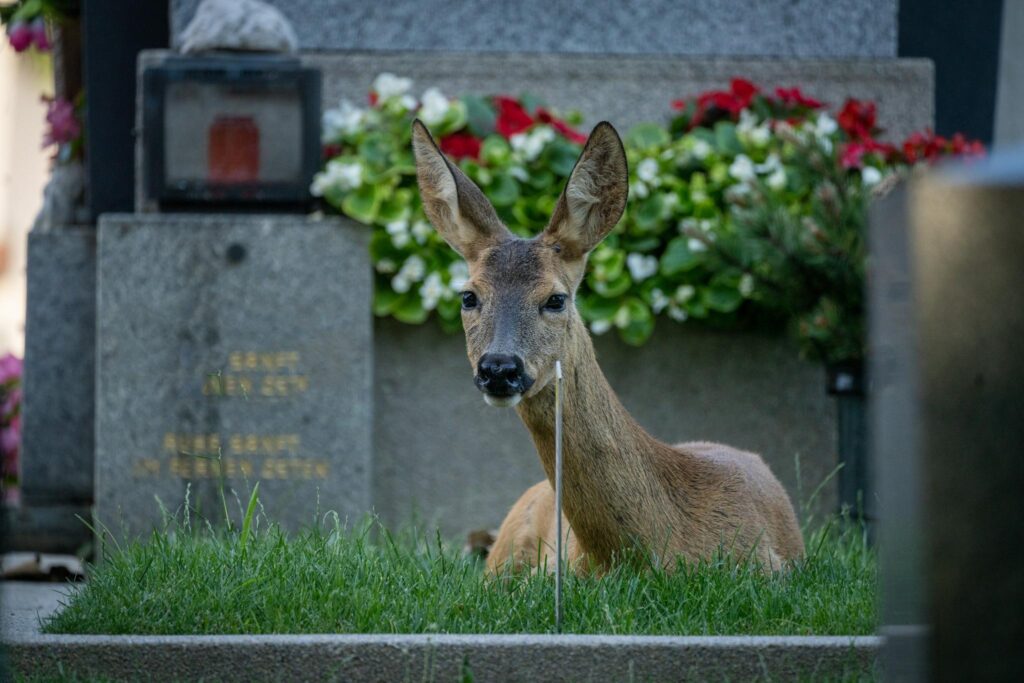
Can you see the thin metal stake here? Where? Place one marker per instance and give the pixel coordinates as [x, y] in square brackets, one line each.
[558, 496]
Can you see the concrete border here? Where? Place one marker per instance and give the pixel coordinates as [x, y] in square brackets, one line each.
[444, 657]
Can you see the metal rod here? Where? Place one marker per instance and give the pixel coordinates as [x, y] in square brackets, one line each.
[558, 496]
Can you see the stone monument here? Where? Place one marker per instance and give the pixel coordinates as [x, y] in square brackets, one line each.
[231, 350]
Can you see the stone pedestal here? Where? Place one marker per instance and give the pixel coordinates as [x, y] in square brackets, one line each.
[232, 350]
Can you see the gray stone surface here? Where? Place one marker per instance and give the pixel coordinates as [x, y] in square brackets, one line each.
[629, 89]
[446, 658]
[57, 418]
[444, 455]
[24, 605]
[790, 28]
[247, 25]
[237, 346]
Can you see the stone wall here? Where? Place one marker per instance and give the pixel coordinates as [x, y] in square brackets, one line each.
[781, 28]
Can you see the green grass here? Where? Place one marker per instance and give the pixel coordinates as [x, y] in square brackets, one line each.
[364, 580]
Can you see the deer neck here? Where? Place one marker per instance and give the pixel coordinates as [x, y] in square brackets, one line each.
[612, 495]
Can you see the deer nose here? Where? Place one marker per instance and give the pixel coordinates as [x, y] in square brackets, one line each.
[500, 374]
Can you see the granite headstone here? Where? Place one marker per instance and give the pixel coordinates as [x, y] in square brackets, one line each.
[232, 350]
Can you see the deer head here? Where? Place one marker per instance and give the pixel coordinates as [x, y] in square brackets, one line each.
[518, 304]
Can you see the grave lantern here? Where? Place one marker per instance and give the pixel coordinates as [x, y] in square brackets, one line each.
[230, 132]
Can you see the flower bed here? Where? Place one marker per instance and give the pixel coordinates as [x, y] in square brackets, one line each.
[689, 247]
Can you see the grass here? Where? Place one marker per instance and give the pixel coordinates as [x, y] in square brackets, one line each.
[332, 579]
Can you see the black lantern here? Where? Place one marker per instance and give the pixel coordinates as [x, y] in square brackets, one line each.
[230, 131]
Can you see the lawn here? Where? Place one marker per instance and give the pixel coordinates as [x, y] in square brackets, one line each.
[334, 579]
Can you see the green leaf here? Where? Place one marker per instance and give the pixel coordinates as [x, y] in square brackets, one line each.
[362, 205]
[530, 103]
[647, 214]
[611, 288]
[726, 139]
[596, 307]
[385, 300]
[647, 135]
[560, 156]
[480, 115]
[410, 309]
[495, 150]
[722, 298]
[641, 323]
[678, 257]
[503, 191]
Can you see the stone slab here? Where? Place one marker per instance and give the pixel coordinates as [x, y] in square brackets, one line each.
[232, 350]
[628, 89]
[60, 328]
[807, 28]
[446, 657]
[434, 435]
[24, 605]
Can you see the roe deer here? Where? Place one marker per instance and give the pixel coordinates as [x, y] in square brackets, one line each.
[621, 485]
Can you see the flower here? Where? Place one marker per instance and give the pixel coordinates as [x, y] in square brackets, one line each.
[10, 368]
[460, 145]
[64, 126]
[385, 265]
[742, 168]
[544, 116]
[600, 326]
[824, 125]
[19, 35]
[857, 119]
[388, 85]
[777, 180]
[338, 175]
[459, 272]
[696, 245]
[638, 189]
[511, 117]
[647, 170]
[793, 97]
[398, 230]
[414, 268]
[676, 313]
[421, 231]
[431, 291]
[531, 144]
[659, 301]
[746, 285]
[701, 149]
[434, 107]
[684, 293]
[641, 267]
[345, 119]
[852, 154]
[39, 35]
[870, 175]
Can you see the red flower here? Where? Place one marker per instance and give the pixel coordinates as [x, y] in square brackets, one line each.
[858, 119]
[461, 144]
[372, 98]
[744, 91]
[927, 146]
[679, 105]
[512, 118]
[713, 104]
[544, 116]
[852, 153]
[331, 151]
[793, 97]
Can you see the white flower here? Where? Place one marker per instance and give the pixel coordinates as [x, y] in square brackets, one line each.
[742, 168]
[659, 301]
[870, 175]
[339, 175]
[638, 189]
[408, 102]
[760, 136]
[389, 85]
[343, 120]
[825, 125]
[706, 224]
[670, 200]
[600, 326]
[432, 291]
[701, 149]
[687, 224]
[747, 122]
[647, 170]
[399, 232]
[435, 106]
[400, 284]
[684, 293]
[746, 285]
[414, 268]
[519, 173]
[641, 267]
[530, 145]
[696, 245]
[770, 164]
[677, 314]
[777, 180]
[459, 272]
[386, 265]
[622, 317]
[421, 231]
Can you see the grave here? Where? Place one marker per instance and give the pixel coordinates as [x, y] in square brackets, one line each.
[231, 350]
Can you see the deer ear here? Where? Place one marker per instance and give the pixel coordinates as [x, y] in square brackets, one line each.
[594, 197]
[457, 208]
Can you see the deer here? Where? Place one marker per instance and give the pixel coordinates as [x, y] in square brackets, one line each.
[623, 488]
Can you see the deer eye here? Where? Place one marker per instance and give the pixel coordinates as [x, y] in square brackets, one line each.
[555, 303]
[469, 301]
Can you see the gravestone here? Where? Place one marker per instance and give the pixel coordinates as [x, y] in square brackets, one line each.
[231, 350]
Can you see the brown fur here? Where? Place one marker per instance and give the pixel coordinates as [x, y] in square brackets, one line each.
[622, 487]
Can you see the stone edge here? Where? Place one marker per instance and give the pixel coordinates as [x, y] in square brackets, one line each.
[444, 657]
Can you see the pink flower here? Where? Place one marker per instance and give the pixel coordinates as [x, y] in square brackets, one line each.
[12, 402]
[10, 439]
[20, 35]
[64, 127]
[10, 368]
[39, 36]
